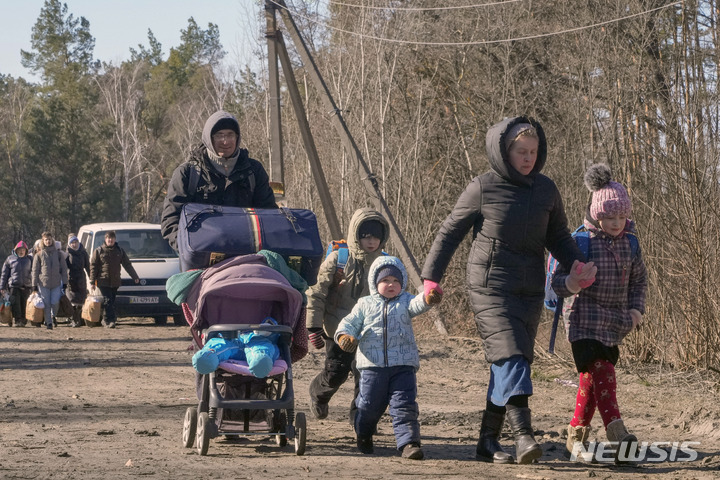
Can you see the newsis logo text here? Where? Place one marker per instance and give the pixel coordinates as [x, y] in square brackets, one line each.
[638, 452]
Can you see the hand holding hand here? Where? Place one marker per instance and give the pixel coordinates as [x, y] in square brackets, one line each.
[587, 273]
[315, 336]
[433, 298]
[582, 275]
[433, 292]
[347, 342]
[636, 317]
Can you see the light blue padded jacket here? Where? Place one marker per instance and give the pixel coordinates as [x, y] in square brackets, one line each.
[384, 327]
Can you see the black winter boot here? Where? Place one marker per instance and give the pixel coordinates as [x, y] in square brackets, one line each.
[526, 448]
[488, 448]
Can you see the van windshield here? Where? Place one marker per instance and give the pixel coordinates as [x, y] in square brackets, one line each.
[139, 243]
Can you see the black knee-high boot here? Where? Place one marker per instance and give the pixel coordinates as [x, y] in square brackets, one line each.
[526, 448]
[488, 448]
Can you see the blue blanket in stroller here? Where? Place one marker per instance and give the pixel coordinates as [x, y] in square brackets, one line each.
[258, 348]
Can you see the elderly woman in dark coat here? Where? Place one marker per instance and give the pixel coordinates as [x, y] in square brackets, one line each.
[515, 213]
[78, 263]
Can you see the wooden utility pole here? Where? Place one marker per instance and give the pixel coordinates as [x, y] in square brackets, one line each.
[367, 177]
[276, 49]
[277, 169]
[315, 166]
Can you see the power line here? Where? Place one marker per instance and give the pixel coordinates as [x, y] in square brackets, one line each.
[479, 42]
[419, 9]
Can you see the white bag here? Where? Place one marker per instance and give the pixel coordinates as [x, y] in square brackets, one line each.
[33, 312]
[37, 300]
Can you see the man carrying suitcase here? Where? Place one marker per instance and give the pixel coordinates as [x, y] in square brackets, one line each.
[217, 173]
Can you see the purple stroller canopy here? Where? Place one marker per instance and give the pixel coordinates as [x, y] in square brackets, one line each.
[243, 290]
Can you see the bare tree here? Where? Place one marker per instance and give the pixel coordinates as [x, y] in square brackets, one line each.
[122, 95]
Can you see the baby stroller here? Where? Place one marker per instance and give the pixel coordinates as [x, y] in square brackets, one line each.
[228, 299]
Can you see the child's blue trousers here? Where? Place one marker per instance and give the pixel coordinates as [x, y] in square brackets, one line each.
[393, 386]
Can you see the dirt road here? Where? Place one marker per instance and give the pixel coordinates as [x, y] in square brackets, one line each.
[97, 403]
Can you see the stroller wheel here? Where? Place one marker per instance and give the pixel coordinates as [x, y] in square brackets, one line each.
[203, 433]
[280, 427]
[300, 433]
[189, 427]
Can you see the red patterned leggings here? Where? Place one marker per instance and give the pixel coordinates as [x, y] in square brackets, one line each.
[597, 389]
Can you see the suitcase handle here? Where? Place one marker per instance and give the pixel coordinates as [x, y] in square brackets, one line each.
[209, 210]
[218, 209]
[290, 217]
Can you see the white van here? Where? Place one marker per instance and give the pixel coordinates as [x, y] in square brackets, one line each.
[154, 261]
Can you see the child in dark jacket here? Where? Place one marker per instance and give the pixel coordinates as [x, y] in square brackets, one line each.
[380, 328]
[333, 296]
[603, 314]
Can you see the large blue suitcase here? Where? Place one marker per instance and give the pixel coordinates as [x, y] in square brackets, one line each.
[208, 234]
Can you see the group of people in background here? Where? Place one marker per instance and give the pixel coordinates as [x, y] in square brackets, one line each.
[52, 272]
[44, 271]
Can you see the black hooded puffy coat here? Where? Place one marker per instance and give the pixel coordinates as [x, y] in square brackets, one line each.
[514, 218]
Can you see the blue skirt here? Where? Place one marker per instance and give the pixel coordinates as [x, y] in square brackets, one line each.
[509, 377]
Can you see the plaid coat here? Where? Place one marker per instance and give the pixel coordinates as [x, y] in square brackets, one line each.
[601, 311]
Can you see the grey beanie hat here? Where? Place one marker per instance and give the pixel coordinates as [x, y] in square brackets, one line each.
[387, 271]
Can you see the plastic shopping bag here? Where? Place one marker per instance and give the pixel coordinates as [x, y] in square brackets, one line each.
[35, 309]
[5, 310]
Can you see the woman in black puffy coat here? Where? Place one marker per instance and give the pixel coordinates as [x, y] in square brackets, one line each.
[78, 263]
[515, 213]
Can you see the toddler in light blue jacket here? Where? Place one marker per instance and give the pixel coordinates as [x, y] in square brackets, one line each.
[380, 328]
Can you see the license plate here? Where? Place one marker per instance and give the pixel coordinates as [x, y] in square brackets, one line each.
[144, 299]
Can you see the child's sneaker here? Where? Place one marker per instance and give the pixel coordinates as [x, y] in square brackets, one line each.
[365, 445]
[412, 451]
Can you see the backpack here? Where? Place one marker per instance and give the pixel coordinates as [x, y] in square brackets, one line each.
[582, 239]
[343, 252]
[196, 174]
[552, 302]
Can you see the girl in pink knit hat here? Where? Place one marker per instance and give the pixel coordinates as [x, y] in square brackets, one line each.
[604, 313]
